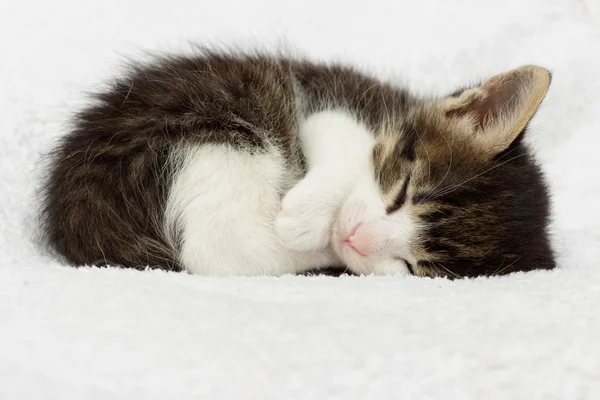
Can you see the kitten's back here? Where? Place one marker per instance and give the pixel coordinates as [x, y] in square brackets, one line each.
[110, 177]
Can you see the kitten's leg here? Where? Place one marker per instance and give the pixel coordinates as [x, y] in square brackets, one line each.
[338, 149]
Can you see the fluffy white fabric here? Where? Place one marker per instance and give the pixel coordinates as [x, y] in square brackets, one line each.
[104, 333]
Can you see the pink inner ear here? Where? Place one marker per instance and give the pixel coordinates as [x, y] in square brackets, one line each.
[502, 96]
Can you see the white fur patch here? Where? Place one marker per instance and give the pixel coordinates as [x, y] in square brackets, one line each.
[337, 148]
[336, 139]
[224, 202]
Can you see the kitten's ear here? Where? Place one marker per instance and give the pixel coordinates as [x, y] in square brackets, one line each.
[499, 109]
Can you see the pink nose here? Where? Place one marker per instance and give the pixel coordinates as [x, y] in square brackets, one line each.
[357, 242]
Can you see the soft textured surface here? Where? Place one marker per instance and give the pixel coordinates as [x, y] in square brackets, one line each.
[103, 333]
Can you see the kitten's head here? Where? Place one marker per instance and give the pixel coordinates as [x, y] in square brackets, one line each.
[453, 190]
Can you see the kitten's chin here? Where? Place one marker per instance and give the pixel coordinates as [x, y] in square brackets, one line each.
[364, 265]
[390, 267]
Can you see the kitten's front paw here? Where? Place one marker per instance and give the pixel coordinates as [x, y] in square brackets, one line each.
[305, 218]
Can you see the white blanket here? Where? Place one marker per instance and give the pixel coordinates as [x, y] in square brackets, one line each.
[105, 333]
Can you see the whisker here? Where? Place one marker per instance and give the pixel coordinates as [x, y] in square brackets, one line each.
[498, 269]
[507, 267]
[452, 274]
[452, 188]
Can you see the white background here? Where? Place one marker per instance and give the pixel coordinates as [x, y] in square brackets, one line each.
[103, 334]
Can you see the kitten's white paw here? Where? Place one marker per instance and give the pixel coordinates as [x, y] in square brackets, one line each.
[306, 215]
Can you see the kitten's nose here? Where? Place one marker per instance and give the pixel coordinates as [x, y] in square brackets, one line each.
[358, 243]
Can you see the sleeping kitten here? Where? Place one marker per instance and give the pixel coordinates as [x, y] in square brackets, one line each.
[229, 164]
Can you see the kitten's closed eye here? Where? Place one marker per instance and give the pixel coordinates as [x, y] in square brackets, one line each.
[400, 198]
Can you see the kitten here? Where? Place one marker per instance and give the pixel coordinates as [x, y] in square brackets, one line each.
[234, 164]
